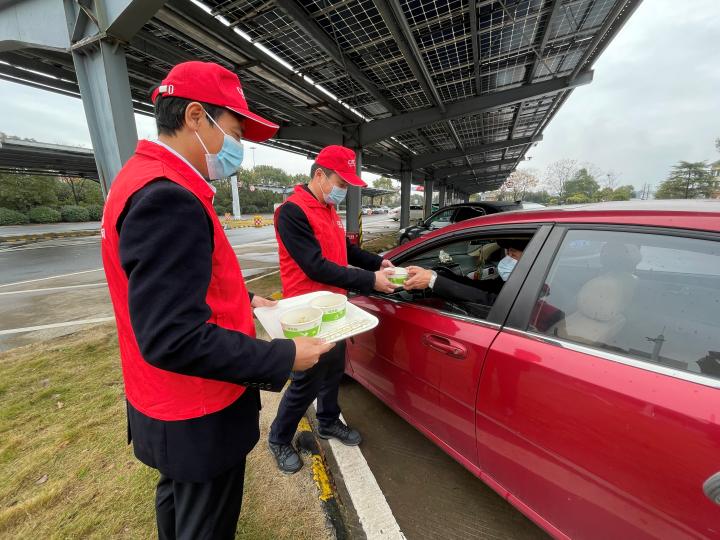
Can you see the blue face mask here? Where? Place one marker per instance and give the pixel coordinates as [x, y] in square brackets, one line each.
[506, 266]
[336, 196]
[228, 160]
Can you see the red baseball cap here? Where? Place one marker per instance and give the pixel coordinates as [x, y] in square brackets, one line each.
[211, 83]
[342, 161]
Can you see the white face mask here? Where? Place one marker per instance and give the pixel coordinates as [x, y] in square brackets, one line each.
[506, 266]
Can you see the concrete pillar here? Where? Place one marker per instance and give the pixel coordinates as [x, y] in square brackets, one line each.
[428, 197]
[235, 196]
[405, 188]
[442, 192]
[466, 197]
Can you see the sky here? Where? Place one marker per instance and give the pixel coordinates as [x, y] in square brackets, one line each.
[654, 100]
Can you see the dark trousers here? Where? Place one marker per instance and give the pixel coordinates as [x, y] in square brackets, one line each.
[200, 510]
[322, 382]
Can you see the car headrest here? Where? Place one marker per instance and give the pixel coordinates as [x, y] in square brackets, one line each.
[605, 297]
[617, 257]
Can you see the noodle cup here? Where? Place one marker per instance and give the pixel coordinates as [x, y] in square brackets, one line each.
[399, 276]
[333, 307]
[301, 322]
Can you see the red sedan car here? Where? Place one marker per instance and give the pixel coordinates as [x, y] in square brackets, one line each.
[588, 393]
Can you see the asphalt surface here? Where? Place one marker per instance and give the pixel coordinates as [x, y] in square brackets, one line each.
[50, 288]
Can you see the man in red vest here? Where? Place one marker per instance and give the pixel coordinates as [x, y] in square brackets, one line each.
[314, 256]
[191, 364]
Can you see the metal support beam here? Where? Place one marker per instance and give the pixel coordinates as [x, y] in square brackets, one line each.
[422, 161]
[475, 44]
[96, 29]
[458, 169]
[354, 201]
[428, 197]
[33, 23]
[405, 188]
[377, 130]
[395, 20]
[442, 192]
[316, 134]
[332, 49]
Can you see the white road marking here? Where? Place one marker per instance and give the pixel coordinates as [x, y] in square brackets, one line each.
[264, 275]
[373, 510]
[50, 277]
[55, 325]
[56, 245]
[48, 289]
[267, 242]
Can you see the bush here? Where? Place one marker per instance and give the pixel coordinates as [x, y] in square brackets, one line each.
[250, 209]
[43, 214]
[95, 211]
[12, 217]
[75, 214]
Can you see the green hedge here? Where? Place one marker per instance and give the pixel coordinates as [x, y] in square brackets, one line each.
[12, 217]
[43, 214]
[250, 209]
[95, 211]
[75, 214]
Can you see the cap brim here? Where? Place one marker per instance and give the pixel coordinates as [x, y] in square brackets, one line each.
[257, 128]
[352, 179]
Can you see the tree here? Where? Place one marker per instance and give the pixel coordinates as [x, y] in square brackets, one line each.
[518, 184]
[83, 190]
[688, 180]
[22, 192]
[583, 183]
[623, 193]
[384, 183]
[558, 174]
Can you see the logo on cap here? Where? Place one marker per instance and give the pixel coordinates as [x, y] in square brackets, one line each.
[240, 91]
[351, 163]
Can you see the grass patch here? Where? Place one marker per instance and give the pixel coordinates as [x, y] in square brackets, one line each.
[67, 472]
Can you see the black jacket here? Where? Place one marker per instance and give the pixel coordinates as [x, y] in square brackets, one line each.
[166, 243]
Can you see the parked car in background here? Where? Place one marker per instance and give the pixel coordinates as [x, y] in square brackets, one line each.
[384, 209]
[366, 210]
[454, 214]
[377, 210]
[587, 393]
[416, 212]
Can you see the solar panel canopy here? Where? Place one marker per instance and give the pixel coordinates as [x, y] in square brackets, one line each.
[456, 91]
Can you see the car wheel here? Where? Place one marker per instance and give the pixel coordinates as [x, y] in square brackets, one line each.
[404, 240]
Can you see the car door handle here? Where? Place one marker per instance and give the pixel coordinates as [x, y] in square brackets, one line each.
[445, 345]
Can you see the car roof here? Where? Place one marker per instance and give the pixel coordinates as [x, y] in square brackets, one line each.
[703, 214]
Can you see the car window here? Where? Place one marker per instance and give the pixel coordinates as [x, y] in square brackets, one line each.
[471, 262]
[441, 219]
[652, 297]
[468, 212]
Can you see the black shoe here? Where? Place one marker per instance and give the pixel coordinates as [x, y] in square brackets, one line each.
[287, 458]
[338, 430]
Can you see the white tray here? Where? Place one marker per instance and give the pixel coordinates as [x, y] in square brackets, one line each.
[356, 320]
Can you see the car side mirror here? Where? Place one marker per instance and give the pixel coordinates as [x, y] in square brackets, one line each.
[421, 222]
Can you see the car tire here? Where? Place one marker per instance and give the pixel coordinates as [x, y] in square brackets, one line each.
[404, 240]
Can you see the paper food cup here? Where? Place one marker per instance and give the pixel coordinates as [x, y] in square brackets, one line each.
[399, 276]
[301, 322]
[333, 307]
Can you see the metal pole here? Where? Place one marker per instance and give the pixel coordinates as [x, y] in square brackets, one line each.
[353, 217]
[405, 188]
[428, 197]
[442, 194]
[235, 196]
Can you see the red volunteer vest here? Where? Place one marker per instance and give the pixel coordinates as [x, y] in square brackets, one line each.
[329, 232]
[155, 392]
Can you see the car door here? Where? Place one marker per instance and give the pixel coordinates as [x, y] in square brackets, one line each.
[425, 357]
[598, 404]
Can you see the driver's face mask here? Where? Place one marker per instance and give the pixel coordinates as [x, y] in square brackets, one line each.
[506, 266]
